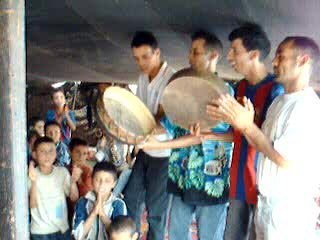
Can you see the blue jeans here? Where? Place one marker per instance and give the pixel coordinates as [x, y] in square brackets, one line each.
[240, 224]
[147, 185]
[52, 236]
[122, 182]
[211, 220]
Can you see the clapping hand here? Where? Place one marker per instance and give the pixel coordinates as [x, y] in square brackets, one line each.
[227, 109]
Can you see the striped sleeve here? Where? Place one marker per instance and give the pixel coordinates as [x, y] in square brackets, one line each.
[79, 218]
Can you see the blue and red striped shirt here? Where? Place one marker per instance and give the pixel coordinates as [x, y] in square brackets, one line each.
[244, 159]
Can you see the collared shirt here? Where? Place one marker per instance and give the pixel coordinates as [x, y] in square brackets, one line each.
[113, 207]
[151, 93]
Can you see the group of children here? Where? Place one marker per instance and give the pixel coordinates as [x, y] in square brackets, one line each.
[65, 190]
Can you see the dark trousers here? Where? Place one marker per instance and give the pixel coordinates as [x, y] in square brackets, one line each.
[147, 184]
[240, 224]
[52, 236]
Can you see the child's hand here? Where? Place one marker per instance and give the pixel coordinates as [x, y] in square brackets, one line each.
[33, 175]
[65, 109]
[96, 208]
[76, 173]
[99, 204]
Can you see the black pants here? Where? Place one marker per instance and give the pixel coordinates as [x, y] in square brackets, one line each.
[147, 184]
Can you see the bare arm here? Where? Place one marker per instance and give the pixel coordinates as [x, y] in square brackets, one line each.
[70, 122]
[227, 109]
[33, 195]
[185, 141]
[74, 193]
[90, 220]
[224, 137]
[75, 176]
[33, 190]
[106, 221]
[260, 142]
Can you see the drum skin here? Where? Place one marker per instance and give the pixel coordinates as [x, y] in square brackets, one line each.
[185, 99]
[124, 116]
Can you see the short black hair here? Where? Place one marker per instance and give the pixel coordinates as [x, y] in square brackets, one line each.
[51, 123]
[77, 142]
[253, 38]
[141, 38]
[31, 134]
[121, 224]
[41, 140]
[32, 121]
[105, 167]
[305, 45]
[212, 42]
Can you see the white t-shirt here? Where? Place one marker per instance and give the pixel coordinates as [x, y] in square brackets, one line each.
[150, 94]
[51, 214]
[293, 125]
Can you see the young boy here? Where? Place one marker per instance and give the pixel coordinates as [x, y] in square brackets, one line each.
[79, 151]
[95, 212]
[37, 124]
[53, 130]
[62, 115]
[48, 188]
[123, 228]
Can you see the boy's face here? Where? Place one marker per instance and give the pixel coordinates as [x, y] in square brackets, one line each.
[45, 154]
[79, 154]
[59, 99]
[103, 182]
[39, 127]
[125, 235]
[54, 132]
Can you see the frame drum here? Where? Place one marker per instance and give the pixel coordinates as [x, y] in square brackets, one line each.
[185, 99]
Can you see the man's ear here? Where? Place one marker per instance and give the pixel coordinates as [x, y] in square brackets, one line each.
[157, 51]
[254, 54]
[214, 56]
[303, 59]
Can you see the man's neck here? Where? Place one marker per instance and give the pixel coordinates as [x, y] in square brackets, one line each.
[154, 72]
[297, 85]
[257, 74]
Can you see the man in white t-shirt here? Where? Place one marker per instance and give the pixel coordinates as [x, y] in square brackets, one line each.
[288, 165]
[148, 181]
